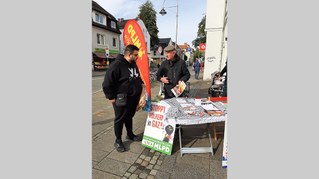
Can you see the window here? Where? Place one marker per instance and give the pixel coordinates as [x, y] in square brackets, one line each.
[113, 25]
[100, 39]
[99, 18]
[114, 42]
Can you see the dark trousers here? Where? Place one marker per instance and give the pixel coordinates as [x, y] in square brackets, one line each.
[124, 115]
[196, 74]
[224, 94]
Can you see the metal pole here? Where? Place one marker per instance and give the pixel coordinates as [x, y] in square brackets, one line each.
[176, 25]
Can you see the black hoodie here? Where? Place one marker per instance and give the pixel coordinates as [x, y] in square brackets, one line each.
[122, 77]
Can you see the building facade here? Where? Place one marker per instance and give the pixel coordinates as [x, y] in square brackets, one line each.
[105, 37]
[216, 37]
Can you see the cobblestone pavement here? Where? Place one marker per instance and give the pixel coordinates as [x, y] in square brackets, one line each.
[141, 162]
[146, 166]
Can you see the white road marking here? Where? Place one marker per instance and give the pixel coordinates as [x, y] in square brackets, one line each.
[97, 91]
[98, 78]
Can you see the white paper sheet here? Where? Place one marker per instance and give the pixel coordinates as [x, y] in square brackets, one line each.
[183, 105]
[181, 100]
[209, 107]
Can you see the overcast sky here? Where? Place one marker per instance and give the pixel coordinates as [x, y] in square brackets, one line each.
[190, 13]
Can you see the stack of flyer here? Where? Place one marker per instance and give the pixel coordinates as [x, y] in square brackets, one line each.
[211, 109]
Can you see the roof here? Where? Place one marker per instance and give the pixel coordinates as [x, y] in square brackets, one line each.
[184, 46]
[98, 8]
[164, 40]
[123, 22]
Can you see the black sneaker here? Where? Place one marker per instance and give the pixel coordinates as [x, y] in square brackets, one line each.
[119, 146]
[134, 138]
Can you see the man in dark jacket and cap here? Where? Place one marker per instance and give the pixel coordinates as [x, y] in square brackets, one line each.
[171, 71]
[122, 82]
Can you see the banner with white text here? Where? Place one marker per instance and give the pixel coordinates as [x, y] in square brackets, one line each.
[159, 130]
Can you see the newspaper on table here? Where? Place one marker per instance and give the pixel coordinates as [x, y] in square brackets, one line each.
[185, 112]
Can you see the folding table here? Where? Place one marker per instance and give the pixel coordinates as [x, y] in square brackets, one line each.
[196, 121]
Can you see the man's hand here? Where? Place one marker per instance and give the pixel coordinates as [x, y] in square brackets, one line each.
[112, 101]
[164, 80]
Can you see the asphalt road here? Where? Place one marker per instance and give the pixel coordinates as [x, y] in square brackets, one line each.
[97, 84]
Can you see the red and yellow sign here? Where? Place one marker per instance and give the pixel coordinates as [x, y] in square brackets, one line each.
[133, 34]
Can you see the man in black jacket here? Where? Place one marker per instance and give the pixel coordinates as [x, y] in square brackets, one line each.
[171, 71]
[123, 79]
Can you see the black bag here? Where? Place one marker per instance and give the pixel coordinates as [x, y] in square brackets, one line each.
[121, 99]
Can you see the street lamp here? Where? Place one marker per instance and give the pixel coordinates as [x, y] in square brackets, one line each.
[163, 12]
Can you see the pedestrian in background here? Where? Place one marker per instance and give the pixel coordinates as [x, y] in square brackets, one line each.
[122, 85]
[171, 71]
[196, 68]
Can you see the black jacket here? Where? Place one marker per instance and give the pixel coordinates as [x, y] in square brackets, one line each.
[122, 77]
[175, 70]
[224, 70]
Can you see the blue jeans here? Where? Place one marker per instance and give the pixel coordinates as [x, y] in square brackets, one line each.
[196, 74]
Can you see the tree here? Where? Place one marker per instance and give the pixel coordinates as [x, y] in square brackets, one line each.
[198, 53]
[201, 35]
[148, 16]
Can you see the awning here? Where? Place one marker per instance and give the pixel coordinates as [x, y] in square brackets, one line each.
[102, 55]
[112, 55]
[99, 55]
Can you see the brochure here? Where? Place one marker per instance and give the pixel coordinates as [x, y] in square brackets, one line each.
[179, 88]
